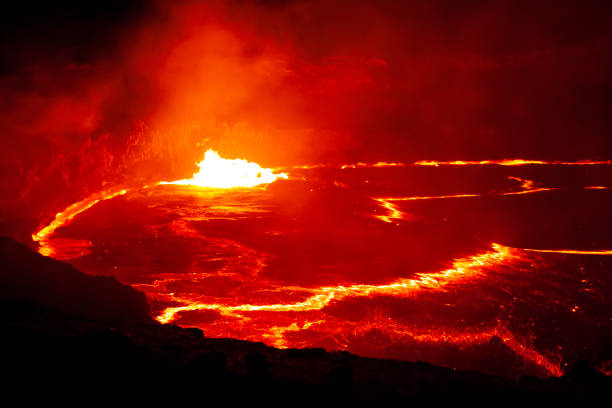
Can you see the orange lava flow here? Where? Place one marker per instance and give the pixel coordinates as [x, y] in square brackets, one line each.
[465, 338]
[509, 162]
[306, 166]
[323, 296]
[435, 163]
[529, 353]
[528, 187]
[571, 251]
[436, 197]
[371, 165]
[395, 214]
[533, 190]
[463, 269]
[357, 165]
[64, 217]
[402, 333]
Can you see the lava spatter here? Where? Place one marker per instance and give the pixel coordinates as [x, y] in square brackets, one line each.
[218, 172]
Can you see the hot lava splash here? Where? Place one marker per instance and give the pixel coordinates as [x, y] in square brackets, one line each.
[463, 270]
[223, 173]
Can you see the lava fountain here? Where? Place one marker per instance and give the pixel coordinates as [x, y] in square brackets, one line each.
[217, 172]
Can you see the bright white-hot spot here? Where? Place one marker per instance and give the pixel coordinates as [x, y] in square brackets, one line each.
[218, 172]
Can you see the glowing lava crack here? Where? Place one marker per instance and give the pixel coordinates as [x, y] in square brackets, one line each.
[462, 269]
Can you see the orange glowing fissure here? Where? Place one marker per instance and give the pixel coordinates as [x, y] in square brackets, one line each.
[371, 165]
[510, 162]
[528, 187]
[323, 296]
[435, 163]
[64, 217]
[463, 269]
[394, 213]
[571, 251]
[401, 332]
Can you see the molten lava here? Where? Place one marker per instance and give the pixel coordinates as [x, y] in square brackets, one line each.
[510, 162]
[217, 172]
[462, 269]
[435, 163]
[394, 213]
[370, 165]
[571, 251]
[63, 217]
[292, 267]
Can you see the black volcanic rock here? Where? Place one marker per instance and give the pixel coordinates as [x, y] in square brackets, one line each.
[26, 276]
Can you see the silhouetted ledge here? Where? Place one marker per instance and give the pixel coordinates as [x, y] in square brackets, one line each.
[84, 339]
[28, 276]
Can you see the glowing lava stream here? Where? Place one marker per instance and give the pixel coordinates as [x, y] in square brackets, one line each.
[402, 333]
[370, 165]
[462, 269]
[64, 217]
[323, 296]
[510, 162]
[435, 163]
[570, 251]
[396, 214]
[468, 337]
